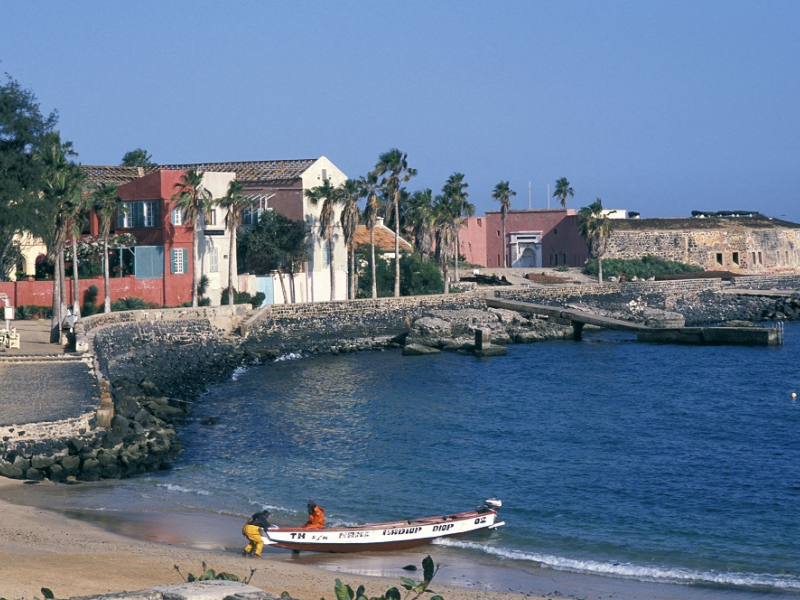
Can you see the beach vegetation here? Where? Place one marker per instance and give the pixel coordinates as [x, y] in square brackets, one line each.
[414, 589]
[209, 575]
[640, 268]
[455, 194]
[129, 303]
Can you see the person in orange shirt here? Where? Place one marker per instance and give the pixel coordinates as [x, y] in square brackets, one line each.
[316, 516]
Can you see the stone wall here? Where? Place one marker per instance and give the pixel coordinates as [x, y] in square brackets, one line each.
[343, 326]
[734, 249]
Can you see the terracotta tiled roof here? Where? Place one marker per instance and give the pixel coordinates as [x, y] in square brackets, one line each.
[261, 170]
[113, 175]
[253, 171]
[384, 239]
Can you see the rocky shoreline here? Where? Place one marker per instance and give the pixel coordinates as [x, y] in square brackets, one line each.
[157, 370]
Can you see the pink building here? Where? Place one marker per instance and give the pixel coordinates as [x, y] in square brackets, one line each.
[534, 239]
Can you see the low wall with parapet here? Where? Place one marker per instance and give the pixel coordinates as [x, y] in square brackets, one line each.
[767, 282]
[342, 326]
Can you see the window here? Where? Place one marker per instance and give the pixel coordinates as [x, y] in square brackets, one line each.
[213, 259]
[555, 231]
[326, 255]
[176, 216]
[498, 233]
[759, 258]
[719, 258]
[211, 217]
[138, 214]
[179, 260]
[324, 174]
[735, 258]
[250, 216]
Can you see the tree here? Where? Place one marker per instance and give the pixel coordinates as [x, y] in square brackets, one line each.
[234, 202]
[563, 190]
[276, 243]
[194, 200]
[420, 218]
[23, 130]
[445, 216]
[105, 202]
[59, 201]
[455, 190]
[350, 195]
[137, 158]
[329, 196]
[393, 167]
[369, 190]
[595, 227]
[502, 193]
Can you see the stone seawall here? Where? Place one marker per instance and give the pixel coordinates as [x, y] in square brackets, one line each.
[344, 326]
[700, 301]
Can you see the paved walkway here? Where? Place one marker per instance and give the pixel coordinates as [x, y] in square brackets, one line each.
[39, 382]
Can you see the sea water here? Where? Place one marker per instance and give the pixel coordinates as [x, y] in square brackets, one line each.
[655, 463]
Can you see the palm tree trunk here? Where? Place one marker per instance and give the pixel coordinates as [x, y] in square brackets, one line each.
[55, 319]
[599, 270]
[372, 251]
[76, 293]
[504, 242]
[194, 262]
[283, 287]
[230, 265]
[352, 272]
[107, 299]
[455, 258]
[333, 271]
[63, 281]
[397, 243]
[446, 280]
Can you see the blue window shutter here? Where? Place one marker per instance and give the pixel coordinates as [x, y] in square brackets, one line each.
[185, 260]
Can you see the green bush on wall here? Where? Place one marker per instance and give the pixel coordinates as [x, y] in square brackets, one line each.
[643, 268]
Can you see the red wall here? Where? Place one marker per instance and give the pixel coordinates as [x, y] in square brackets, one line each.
[40, 293]
[560, 235]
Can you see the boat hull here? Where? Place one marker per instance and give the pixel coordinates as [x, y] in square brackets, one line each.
[397, 535]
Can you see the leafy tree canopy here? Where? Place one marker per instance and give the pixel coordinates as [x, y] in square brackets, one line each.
[417, 277]
[23, 130]
[276, 244]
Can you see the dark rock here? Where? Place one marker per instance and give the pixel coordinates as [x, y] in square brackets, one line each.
[418, 350]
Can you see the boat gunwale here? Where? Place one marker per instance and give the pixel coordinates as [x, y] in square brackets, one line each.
[422, 521]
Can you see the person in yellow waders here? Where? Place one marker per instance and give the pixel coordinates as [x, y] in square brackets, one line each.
[252, 531]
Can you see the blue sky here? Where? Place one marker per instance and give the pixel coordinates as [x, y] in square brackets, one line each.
[662, 107]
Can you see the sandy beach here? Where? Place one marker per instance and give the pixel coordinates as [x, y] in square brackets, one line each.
[41, 547]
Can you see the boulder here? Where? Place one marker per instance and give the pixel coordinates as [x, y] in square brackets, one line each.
[418, 350]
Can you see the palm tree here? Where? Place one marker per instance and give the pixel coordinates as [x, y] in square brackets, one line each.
[61, 197]
[420, 217]
[445, 215]
[369, 190]
[329, 196]
[563, 190]
[79, 218]
[105, 202]
[595, 227]
[393, 167]
[194, 200]
[350, 195]
[137, 158]
[502, 193]
[455, 190]
[234, 202]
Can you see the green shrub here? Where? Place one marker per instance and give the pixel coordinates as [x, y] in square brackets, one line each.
[90, 301]
[643, 268]
[28, 312]
[129, 303]
[243, 298]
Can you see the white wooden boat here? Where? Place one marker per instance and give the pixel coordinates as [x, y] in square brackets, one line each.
[396, 535]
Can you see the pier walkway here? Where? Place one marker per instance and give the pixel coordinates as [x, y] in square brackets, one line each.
[742, 336]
